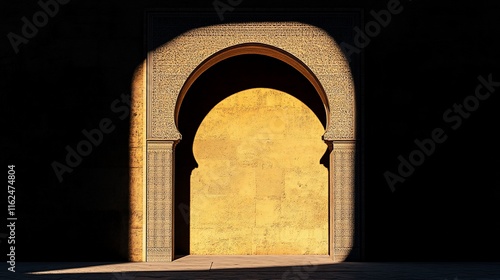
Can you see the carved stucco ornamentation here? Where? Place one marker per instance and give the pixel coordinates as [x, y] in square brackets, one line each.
[344, 194]
[159, 201]
[172, 63]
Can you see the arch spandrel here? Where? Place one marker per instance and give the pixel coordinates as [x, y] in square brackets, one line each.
[171, 64]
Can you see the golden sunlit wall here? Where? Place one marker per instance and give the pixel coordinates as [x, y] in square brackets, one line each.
[259, 187]
[137, 178]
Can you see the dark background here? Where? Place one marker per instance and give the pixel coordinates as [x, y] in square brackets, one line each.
[66, 77]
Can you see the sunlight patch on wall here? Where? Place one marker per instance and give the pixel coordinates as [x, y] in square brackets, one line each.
[259, 188]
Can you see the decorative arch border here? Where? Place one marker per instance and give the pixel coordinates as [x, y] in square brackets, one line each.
[159, 90]
[253, 48]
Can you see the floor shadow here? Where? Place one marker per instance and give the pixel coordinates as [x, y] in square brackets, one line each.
[346, 270]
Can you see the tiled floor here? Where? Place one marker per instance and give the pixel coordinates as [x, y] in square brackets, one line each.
[254, 267]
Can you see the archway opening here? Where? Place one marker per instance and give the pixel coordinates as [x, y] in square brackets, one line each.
[230, 76]
[259, 188]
